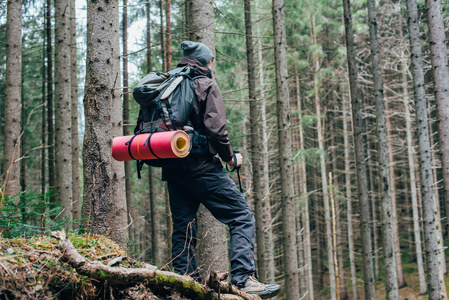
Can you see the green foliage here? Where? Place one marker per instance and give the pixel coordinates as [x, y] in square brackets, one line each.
[28, 213]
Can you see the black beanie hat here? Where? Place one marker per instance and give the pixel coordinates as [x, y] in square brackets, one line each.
[200, 51]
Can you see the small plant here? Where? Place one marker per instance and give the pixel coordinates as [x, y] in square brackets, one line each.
[28, 213]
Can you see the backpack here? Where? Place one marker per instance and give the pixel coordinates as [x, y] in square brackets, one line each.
[166, 102]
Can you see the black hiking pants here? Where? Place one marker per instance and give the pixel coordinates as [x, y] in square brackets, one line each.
[219, 194]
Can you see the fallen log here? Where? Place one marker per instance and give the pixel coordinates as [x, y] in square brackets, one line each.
[216, 287]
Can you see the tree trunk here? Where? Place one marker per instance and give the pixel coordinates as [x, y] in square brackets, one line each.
[44, 119]
[50, 127]
[324, 182]
[438, 49]
[268, 232]
[126, 124]
[374, 216]
[303, 183]
[412, 169]
[163, 48]
[23, 165]
[148, 36]
[213, 250]
[168, 29]
[394, 209]
[285, 151]
[437, 40]
[104, 192]
[154, 217]
[74, 111]
[13, 87]
[63, 100]
[346, 111]
[391, 279]
[357, 123]
[254, 115]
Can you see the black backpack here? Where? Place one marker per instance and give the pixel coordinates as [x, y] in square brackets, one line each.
[166, 102]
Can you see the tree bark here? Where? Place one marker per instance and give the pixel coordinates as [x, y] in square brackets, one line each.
[63, 121]
[357, 123]
[394, 209]
[13, 87]
[213, 250]
[126, 124]
[411, 163]
[437, 40]
[104, 192]
[44, 119]
[163, 48]
[303, 183]
[168, 36]
[391, 279]
[269, 244]
[346, 111]
[254, 115]
[324, 182]
[285, 151]
[50, 127]
[74, 111]
[374, 215]
[438, 49]
[154, 217]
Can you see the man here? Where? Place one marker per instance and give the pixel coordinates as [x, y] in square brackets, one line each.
[201, 180]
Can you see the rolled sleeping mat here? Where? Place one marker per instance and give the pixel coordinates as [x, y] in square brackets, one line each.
[166, 144]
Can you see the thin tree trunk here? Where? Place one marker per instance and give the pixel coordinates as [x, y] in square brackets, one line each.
[285, 151]
[44, 119]
[324, 182]
[437, 40]
[357, 123]
[342, 292]
[63, 116]
[23, 141]
[391, 279]
[255, 146]
[155, 241]
[374, 217]
[168, 29]
[13, 87]
[346, 111]
[74, 112]
[213, 250]
[50, 127]
[163, 47]
[394, 209]
[104, 203]
[148, 36]
[126, 124]
[268, 232]
[413, 186]
[305, 197]
[169, 222]
[438, 49]
[148, 232]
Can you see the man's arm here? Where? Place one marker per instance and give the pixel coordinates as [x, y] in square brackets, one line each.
[215, 123]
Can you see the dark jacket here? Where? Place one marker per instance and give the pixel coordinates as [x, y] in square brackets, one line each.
[209, 118]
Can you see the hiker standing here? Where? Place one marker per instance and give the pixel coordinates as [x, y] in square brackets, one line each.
[201, 180]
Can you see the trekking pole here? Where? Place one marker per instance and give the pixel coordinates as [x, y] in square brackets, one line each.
[238, 170]
[240, 179]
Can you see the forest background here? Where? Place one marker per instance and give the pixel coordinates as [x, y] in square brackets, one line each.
[341, 122]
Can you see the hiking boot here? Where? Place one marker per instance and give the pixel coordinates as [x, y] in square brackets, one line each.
[264, 291]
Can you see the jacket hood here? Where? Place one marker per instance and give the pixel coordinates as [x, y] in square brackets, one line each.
[193, 62]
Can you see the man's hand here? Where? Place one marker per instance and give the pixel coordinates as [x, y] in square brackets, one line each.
[239, 160]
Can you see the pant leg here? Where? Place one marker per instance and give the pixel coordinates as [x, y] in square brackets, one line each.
[219, 194]
[184, 208]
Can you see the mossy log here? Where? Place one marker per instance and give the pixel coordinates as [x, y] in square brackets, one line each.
[215, 287]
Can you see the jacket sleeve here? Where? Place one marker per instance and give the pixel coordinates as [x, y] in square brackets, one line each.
[215, 123]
